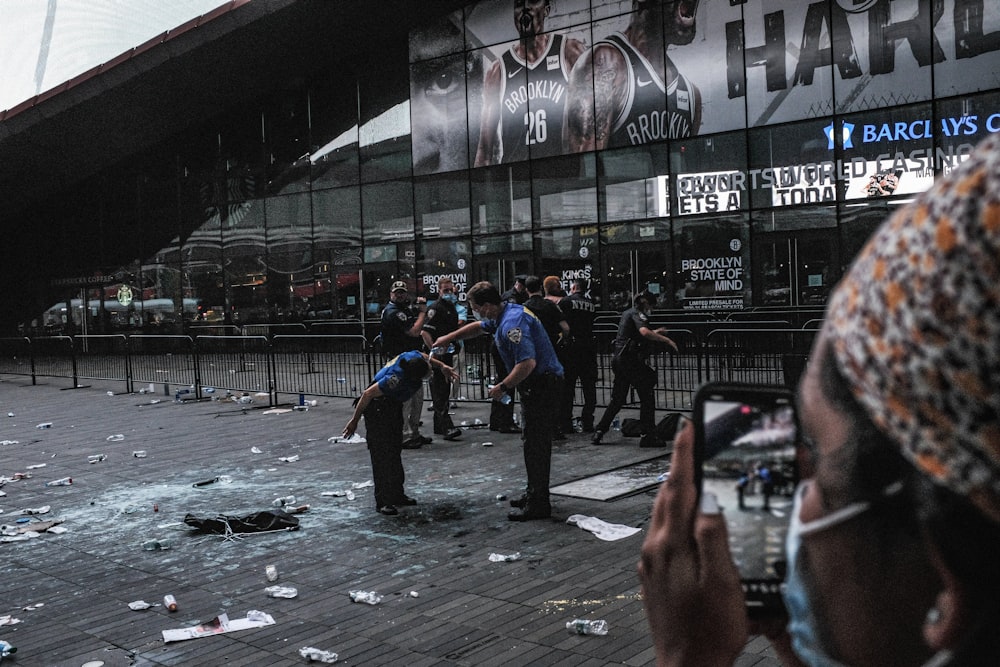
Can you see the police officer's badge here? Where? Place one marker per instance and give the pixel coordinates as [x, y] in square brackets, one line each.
[643, 317]
[401, 315]
[514, 335]
[392, 382]
[430, 314]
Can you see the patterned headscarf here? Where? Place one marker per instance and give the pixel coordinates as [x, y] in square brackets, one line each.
[916, 329]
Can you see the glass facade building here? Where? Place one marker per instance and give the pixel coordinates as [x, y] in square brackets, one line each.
[722, 154]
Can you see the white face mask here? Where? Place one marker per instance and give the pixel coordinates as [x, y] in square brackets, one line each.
[802, 625]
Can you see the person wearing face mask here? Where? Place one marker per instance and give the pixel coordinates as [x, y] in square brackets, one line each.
[892, 541]
[402, 322]
[630, 364]
[442, 318]
[381, 404]
[534, 369]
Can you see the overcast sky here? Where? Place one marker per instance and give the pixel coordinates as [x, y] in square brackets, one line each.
[43, 43]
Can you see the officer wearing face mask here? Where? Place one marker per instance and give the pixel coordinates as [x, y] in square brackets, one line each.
[442, 318]
[401, 326]
[892, 542]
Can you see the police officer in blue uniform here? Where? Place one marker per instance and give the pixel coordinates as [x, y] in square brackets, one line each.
[535, 371]
[382, 406]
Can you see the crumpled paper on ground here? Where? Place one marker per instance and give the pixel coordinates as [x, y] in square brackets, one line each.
[609, 532]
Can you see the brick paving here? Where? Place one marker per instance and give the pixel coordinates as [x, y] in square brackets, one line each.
[469, 611]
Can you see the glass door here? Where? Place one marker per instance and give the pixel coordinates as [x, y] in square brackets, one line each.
[795, 269]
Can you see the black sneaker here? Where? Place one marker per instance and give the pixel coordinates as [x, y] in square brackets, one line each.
[596, 439]
[388, 510]
[412, 443]
[453, 434]
[519, 503]
[406, 501]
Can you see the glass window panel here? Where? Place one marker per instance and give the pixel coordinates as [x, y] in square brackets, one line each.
[334, 118]
[891, 152]
[858, 221]
[337, 217]
[712, 257]
[643, 231]
[792, 164]
[634, 183]
[565, 189]
[696, 45]
[505, 243]
[438, 111]
[970, 38]
[812, 217]
[387, 211]
[452, 258]
[789, 53]
[501, 198]
[442, 205]
[710, 174]
[437, 37]
[892, 44]
[962, 123]
[384, 133]
[286, 139]
[567, 253]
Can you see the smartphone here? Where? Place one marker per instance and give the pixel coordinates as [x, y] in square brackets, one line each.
[745, 441]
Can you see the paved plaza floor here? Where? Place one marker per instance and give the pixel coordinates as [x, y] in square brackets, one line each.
[444, 602]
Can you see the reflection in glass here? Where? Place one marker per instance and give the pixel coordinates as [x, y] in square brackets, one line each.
[334, 133]
[634, 183]
[565, 189]
[442, 205]
[384, 132]
[501, 198]
[711, 258]
[387, 211]
[710, 174]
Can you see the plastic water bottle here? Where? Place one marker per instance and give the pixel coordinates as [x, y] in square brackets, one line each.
[582, 626]
[616, 424]
[63, 481]
[6, 649]
[271, 572]
[505, 398]
[368, 597]
[170, 602]
[438, 351]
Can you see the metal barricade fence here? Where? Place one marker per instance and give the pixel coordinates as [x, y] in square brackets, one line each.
[322, 365]
[165, 362]
[102, 357]
[53, 356]
[15, 357]
[760, 356]
[680, 373]
[235, 363]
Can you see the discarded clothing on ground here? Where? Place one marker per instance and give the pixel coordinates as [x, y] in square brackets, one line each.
[258, 522]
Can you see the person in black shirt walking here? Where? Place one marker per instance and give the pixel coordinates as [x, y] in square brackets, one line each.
[631, 366]
[581, 356]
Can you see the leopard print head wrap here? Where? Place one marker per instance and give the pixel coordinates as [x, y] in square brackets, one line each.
[915, 326]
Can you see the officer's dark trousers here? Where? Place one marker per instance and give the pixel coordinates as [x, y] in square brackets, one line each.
[580, 362]
[631, 371]
[384, 432]
[539, 397]
[441, 397]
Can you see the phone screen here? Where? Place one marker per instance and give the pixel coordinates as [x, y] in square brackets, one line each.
[747, 450]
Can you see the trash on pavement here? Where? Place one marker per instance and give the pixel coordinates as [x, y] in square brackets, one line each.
[609, 532]
[139, 605]
[258, 522]
[314, 654]
[505, 558]
[367, 597]
[281, 591]
[289, 459]
[221, 624]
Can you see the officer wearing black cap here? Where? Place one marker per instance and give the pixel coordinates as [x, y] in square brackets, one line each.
[401, 325]
[630, 365]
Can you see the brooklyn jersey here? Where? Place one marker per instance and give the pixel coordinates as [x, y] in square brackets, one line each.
[643, 118]
[532, 101]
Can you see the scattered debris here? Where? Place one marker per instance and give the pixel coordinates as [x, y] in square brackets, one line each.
[609, 532]
[139, 605]
[281, 591]
[311, 654]
[219, 625]
[367, 597]
[117, 437]
[508, 558]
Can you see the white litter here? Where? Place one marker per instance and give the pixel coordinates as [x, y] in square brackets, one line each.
[609, 532]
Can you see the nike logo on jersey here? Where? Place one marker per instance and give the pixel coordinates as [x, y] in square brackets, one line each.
[511, 75]
[643, 84]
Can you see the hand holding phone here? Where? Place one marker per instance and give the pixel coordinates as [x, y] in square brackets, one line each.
[745, 441]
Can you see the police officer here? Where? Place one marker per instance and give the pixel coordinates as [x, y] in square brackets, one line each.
[442, 319]
[581, 356]
[401, 333]
[535, 371]
[631, 366]
[382, 406]
[555, 326]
